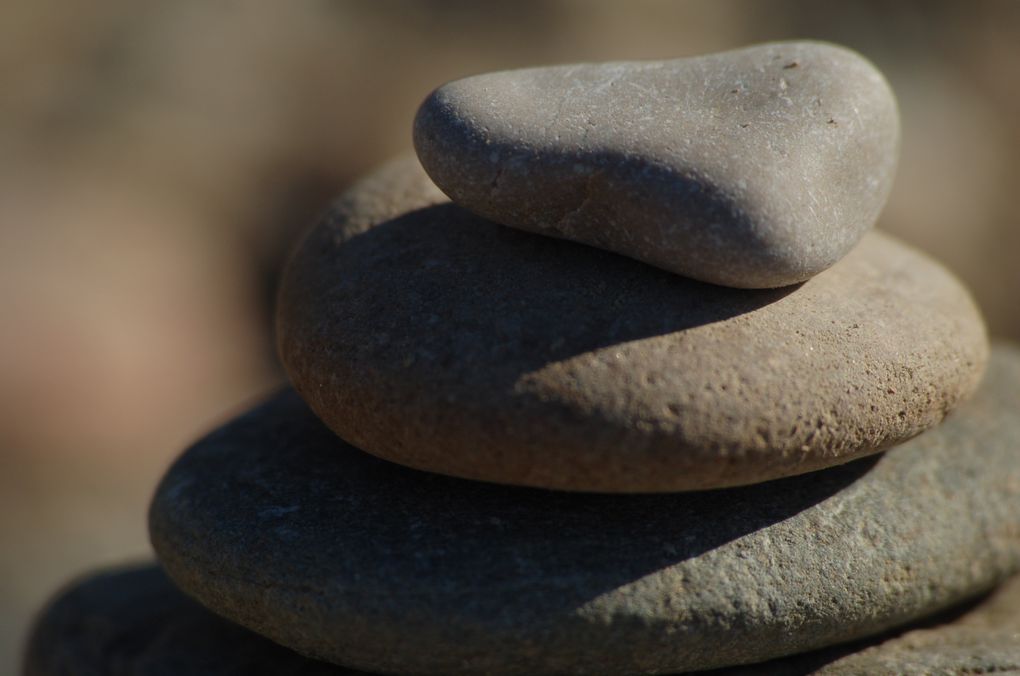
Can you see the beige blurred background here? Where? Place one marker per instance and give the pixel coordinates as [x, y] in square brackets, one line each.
[158, 158]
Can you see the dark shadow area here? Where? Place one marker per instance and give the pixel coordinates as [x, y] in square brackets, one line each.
[134, 620]
[476, 301]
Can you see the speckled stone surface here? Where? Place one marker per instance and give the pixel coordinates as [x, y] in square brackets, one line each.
[981, 637]
[984, 641]
[275, 523]
[433, 338]
[134, 622]
[753, 168]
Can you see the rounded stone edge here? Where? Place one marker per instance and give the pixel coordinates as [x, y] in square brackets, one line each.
[227, 581]
[434, 115]
[133, 621]
[372, 200]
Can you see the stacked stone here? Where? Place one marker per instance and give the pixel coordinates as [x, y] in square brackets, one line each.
[638, 431]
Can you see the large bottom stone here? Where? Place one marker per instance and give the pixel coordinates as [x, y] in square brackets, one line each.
[134, 622]
[275, 523]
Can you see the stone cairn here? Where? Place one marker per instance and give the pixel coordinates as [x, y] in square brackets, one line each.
[638, 431]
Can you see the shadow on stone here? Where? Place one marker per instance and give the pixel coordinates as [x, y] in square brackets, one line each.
[519, 301]
[278, 488]
[282, 527]
[134, 621]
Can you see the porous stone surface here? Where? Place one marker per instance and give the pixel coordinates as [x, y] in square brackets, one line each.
[753, 168]
[133, 622]
[434, 338]
[275, 523]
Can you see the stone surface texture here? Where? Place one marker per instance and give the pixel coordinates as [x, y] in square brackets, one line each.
[431, 337]
[759, 167]
[278, 525]
[134, 622]
[981, 636]
[983, 641]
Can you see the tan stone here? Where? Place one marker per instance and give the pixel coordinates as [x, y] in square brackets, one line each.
[433, 338]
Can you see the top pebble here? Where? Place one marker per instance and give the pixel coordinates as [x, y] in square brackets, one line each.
[753, 168]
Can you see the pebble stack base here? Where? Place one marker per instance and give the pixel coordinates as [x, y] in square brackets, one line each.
[134, 622]
[276, 524]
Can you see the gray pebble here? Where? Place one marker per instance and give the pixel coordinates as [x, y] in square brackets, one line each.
[759, 167]
[134, 622]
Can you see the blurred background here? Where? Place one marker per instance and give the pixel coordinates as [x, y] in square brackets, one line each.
[157, 159]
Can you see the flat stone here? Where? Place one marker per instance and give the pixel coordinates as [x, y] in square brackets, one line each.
[434, 338]
[759, 167]
[134, 622]
[276, 524]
